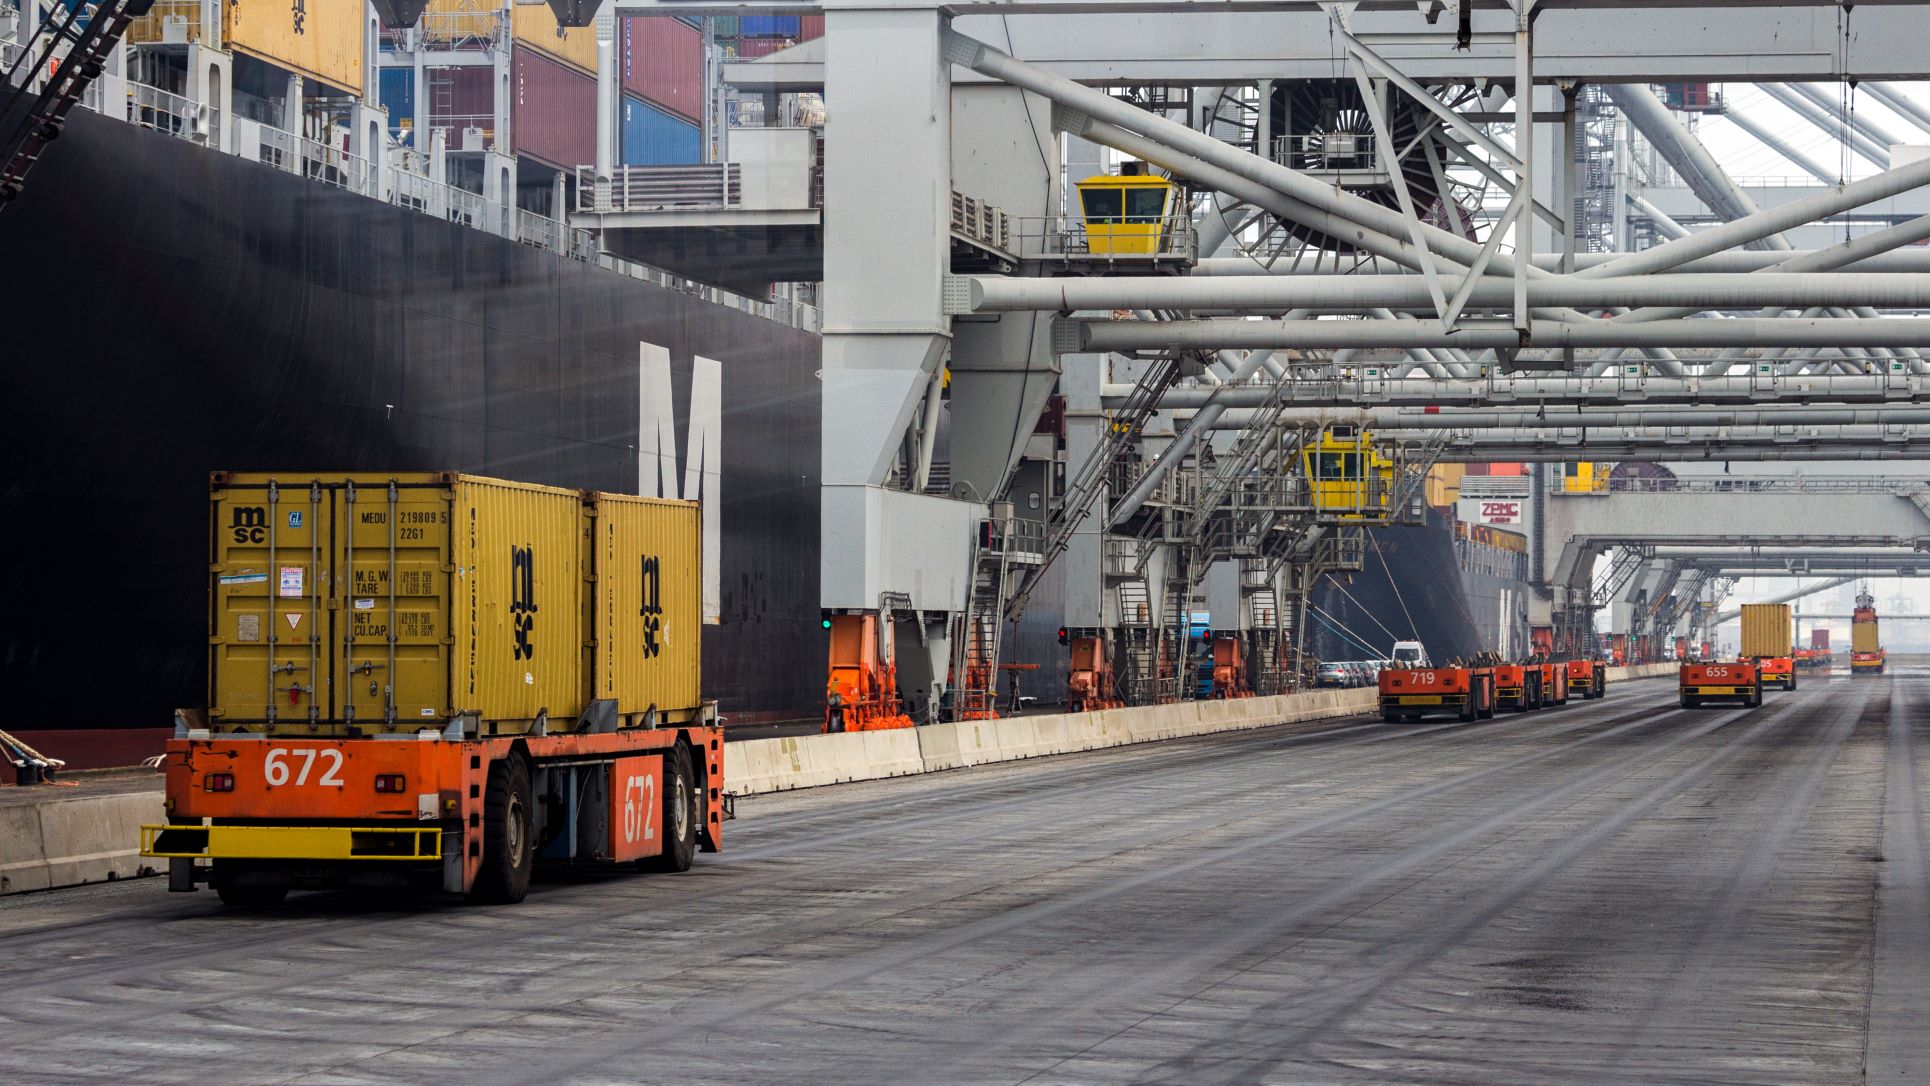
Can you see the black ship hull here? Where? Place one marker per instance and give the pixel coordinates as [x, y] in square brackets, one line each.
[173, 311]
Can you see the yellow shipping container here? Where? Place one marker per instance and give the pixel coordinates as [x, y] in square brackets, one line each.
[1444, 484]
[535, 25]
[1863, 637]
[1766, 629]
[481, 582]
[647, 605]
[507, 602]
[322, 40]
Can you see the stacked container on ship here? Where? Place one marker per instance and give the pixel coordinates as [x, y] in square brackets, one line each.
[441, 680]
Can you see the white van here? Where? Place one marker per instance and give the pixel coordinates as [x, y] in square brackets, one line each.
[1410, 654]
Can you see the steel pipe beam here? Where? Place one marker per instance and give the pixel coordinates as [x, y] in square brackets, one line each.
[1901, 103]
[1276, 293]
[1860, 123]
[1611, 391]
[1809, 111]
[1770, 139]
[1570, 418]
[1403, 335]
[1763, 224]
[1665, 454]
[1901, 260]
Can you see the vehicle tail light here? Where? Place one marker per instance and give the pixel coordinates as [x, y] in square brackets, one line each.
[390, 782]
[219, 782]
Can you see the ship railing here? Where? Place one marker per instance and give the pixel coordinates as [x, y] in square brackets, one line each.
[165, 111]
[543, 231]
[660, 188]
[432, 197]
[317, 161]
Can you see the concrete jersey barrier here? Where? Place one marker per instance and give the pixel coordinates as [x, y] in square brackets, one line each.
[758, 766]
[70, 840]
[774, 765]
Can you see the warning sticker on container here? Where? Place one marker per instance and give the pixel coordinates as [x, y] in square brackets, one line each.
[294, 621]
[250, 577]
[291, 580]
[365, 605]
[248, 627]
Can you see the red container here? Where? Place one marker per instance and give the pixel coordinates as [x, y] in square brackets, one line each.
[1819, 639]
[663, 63]
[465, 96]
[813, 28]
[753, 48]
[552, 110]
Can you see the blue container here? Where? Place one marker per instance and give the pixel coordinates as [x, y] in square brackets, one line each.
[397, 89]
[652, 137]
[770, 26]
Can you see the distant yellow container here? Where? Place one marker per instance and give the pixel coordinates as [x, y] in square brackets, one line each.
[323, 39]
[535, 25]
[647, 603]
[1863, 637]
[1766, 630]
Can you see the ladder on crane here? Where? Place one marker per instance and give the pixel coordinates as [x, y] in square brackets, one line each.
[71, 48]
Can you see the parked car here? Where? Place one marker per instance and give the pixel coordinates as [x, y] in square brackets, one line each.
[1333, 673]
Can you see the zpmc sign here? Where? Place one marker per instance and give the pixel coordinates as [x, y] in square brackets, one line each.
[1500, 512]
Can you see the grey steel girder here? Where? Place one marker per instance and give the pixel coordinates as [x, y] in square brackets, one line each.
[1109, 335]
[1577, 527]
[1182, 42]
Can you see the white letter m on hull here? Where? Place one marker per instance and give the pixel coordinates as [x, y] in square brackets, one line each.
[703, 457]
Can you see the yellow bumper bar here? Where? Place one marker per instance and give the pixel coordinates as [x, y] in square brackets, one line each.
[293, 842]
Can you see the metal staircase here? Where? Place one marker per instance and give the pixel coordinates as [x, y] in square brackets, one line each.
[1627, 560]
[68, 51]
[1084, 487]
[1004, 542]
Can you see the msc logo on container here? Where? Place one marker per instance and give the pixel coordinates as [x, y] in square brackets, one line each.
[522, 600]
[251, 524]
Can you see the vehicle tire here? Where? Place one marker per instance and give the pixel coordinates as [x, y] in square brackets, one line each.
[509, 846]
[681, 815]
[251, 895]
[1389, 716]
[1469, 714]
[1689, 702]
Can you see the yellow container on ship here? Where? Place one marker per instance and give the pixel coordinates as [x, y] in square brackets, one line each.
[324, 40]
[535, 25]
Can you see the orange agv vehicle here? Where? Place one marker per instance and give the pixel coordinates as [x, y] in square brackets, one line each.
[1587, 678]
[1739, 684]
[1778, 671]
[1517, 687]
[1409, 694]
[1554, 683]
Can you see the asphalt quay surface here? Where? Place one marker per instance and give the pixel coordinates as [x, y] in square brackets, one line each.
[1616, 891]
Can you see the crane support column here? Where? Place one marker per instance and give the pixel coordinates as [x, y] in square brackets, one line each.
[887, 243]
